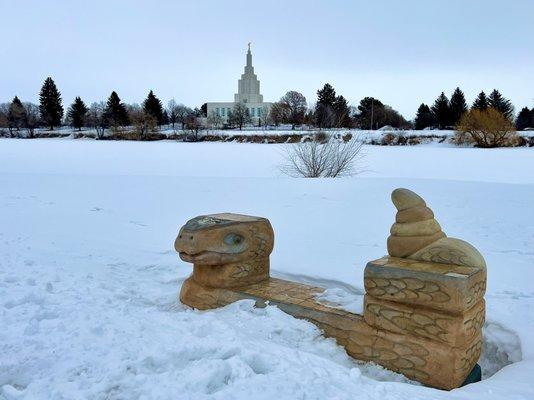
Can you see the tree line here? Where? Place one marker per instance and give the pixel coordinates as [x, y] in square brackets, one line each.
[447, 114]
[113, 113]
[331, 110]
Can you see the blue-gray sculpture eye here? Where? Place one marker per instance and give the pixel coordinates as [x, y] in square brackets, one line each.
[233, 239]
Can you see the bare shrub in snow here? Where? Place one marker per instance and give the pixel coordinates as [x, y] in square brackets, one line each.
[215, 120]
[96, 119]
[31, 120]
[143, 122]
[194, 126]
[486, 128]
[4, 121]
[329, 159]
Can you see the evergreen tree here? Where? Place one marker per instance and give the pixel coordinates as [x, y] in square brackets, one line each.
[442, 112]
[424, 117]
[458, 106]
[371, 112]
[50, 104]
[204, 109]
[166, 120]
[77, 113]
[324, 110]
[501, 104]
[15, 114]
[342, 112]
[115, 112]
[152, 106]
[326, 95]
[481, 102]
[525, 119]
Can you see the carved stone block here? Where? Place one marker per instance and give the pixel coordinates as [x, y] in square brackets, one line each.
[455, 329]
[445, 287]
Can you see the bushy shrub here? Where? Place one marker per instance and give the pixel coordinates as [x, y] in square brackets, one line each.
[321, 137]
[388, 139]
[486, 128]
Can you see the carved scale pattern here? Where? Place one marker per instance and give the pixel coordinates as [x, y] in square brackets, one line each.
[474, 325]
[476, 291]
[407, 358]
[444, 255]
[406, 289]
[470, 357]
[419, 324]
[255, 264]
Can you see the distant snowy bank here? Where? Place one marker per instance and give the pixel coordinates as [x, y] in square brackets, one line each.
[386, 136]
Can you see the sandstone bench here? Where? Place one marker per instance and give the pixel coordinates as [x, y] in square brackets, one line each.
[423, 308]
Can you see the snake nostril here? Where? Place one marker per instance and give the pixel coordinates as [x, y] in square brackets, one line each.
[191, 237]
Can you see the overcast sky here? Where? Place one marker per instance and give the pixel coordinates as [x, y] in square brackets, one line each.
[402, 52]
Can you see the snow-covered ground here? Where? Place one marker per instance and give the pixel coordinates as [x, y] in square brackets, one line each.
[89, 279]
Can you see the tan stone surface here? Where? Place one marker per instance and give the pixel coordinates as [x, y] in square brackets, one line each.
[415, 236]
[414, 214]
[450, 251]
[226, 249]
[455, 329]
[405, 198]
[434, 363]
[419, 228]
[445, 287]
[401, 247]
[423, 309]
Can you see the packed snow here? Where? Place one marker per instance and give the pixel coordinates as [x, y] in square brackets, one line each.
[89, 277]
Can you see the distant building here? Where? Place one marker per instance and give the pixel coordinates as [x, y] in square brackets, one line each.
[248, 93]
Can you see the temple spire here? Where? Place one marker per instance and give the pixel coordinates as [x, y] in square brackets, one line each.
[248, 87]
[249, 58]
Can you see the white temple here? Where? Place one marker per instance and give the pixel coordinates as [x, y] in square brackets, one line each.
[248, 93]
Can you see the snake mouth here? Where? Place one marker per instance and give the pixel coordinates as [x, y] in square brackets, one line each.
[208, 258]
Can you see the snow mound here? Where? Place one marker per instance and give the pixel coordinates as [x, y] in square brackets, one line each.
[343, 299]
[501, 348]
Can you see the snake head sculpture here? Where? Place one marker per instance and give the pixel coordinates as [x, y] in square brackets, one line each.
[220, 239]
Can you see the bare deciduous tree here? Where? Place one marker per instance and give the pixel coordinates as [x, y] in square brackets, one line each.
[142, 121]
[31, 118]
[194, 125]
[215, 120]
[172, 112]
[96, 118]
[278, 113]
[4, 122]
[240, 115]
[182, 114]
[296, 106]
[313, 159]
[265, 116]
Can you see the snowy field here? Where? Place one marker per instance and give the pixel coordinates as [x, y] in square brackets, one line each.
[89, 278]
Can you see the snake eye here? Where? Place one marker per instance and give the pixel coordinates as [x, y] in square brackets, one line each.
[233, 239]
